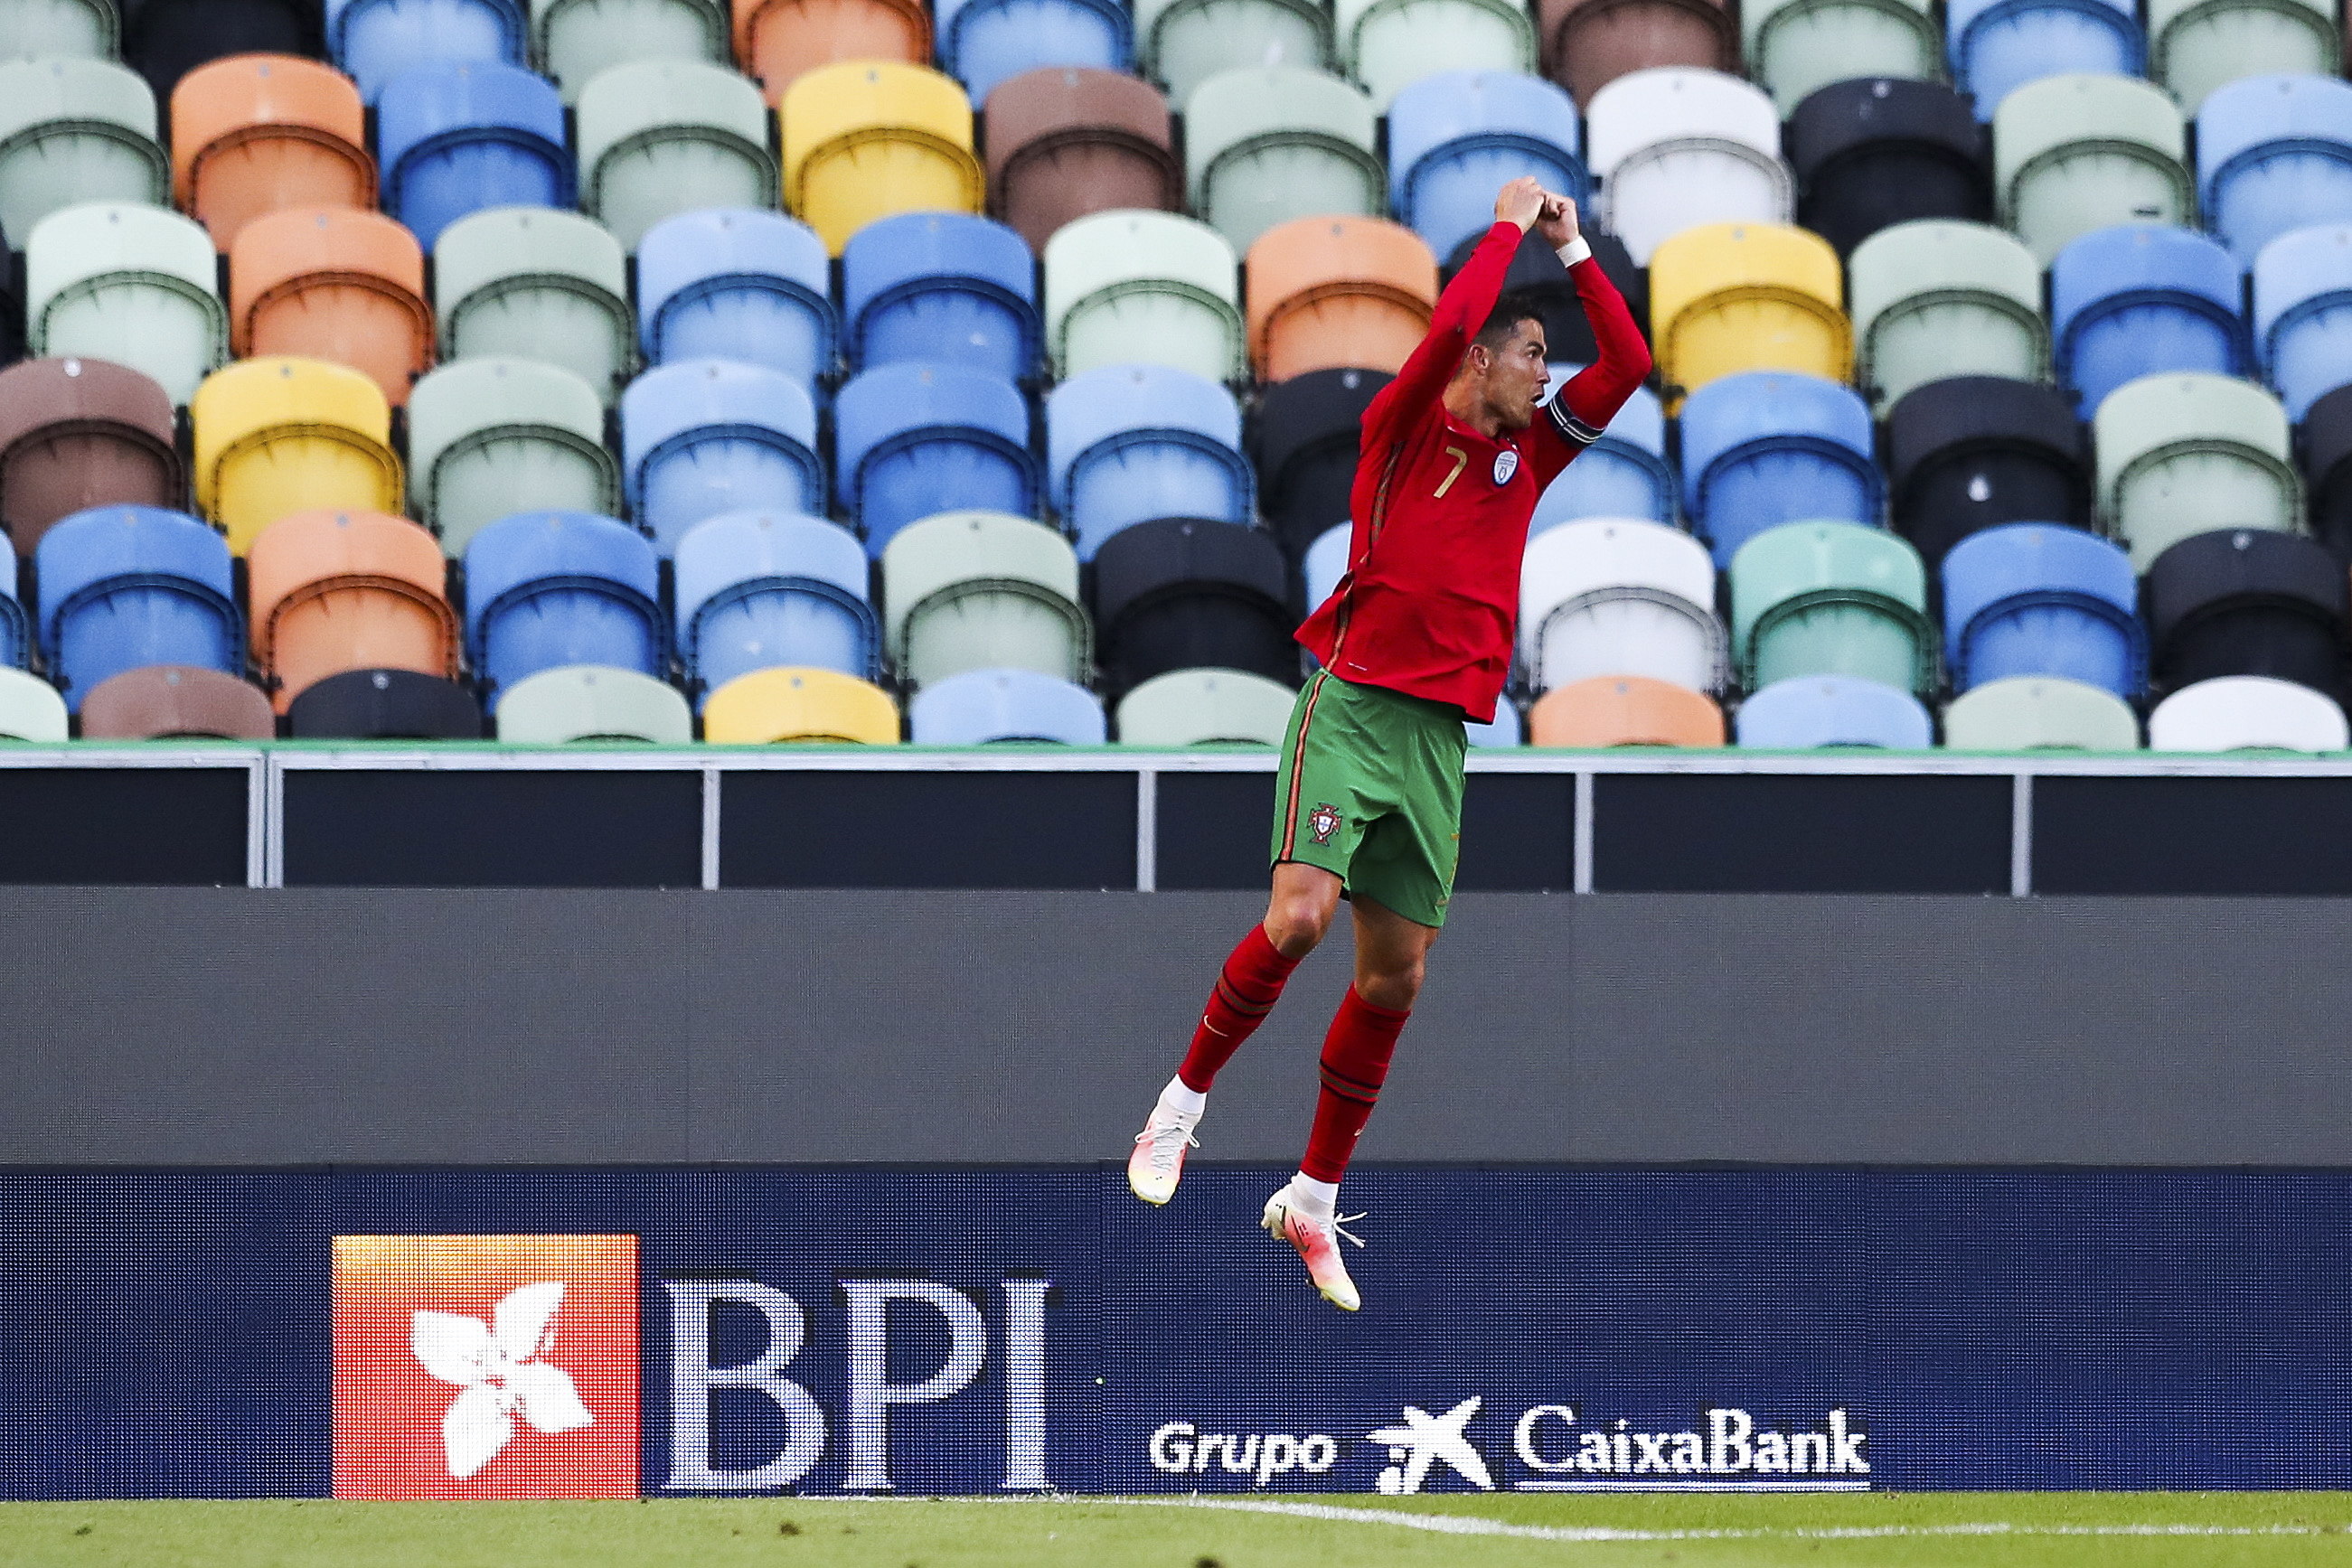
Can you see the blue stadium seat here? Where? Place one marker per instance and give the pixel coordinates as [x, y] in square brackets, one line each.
[1833, 710]
[1766, 447]
[376, 40]
[1127, 443]
[124, 587]
[2273, 155]
[2140, 298]
[2037, 598]
[705, 436]
[911, 441]
[983, 41]
[760, 589]
[2303, 314]
[1326, 562]
[455, 137]
[944, 288]
[1456, 136]
[733, 283]
[1995, 45]
[1623, 474]
[978, 708]
[544, 589]
[1507, 728]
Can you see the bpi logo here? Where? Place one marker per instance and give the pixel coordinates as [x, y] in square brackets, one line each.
[486, 1367]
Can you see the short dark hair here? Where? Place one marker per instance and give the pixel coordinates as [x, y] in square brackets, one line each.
[1516, 305]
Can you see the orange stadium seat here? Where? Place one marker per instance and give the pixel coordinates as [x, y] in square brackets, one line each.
[76, 434]
[336, 285]
[1624, 710]
[1588, 44]
[348, 591]
[1332, 293]
[261, 134]
[779, 41]
[1069, 140]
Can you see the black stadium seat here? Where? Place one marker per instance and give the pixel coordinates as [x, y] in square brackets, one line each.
[1975, 452]
[164, 40]
[1185, 593]
[1302, 441]
[1878, 150]
[2248, 601]
[385, 704]
[2327, 451]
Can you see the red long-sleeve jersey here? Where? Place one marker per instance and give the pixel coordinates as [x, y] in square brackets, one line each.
[1431, 597]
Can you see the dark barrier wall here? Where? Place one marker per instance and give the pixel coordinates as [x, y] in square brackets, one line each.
[300, 1026]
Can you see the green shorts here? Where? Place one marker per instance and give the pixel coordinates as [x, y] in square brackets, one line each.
[1371, 789]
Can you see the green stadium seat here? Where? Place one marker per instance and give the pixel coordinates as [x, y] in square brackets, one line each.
[1180, 44]
[1138, 288]
[492, 437]
[53, 30]
[2192, 453]
[75, 131]
[574, 40]
[1796, 46]
[1386, 45]
[2077, 152]
[661, 137]
[1206, 707]
[592, 702]
[1830, 599]
[131, 283]
[2196, 46]
[982, 590]
[2039, 713]
[530, 283]
[1937, 299]
[30, 708]
[1268, 145]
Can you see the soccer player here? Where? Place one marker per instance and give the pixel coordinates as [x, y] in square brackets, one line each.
[1416, 637]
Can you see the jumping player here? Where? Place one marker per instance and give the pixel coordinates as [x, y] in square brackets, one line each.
[1417, 636]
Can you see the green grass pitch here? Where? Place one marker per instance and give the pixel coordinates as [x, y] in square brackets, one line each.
[1921, 1530]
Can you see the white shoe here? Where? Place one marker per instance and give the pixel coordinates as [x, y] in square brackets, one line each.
[1157, 1162]
[1318, 1241]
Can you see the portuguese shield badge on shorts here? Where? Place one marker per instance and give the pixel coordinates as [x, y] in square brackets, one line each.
[1323, 821]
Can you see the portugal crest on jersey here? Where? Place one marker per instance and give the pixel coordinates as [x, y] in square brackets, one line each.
[1323, 821]
[1507, 463]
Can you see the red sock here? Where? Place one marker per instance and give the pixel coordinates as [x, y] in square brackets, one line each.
[1355, 1064]
[1246, 990]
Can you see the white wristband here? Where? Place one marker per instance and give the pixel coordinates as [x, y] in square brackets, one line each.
[1574, 251]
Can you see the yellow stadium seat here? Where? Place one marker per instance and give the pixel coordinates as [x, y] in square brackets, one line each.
[1727, 298]
[864, 139]
[277, 436]
[790, 703]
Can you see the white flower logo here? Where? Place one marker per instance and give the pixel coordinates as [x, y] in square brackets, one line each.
[496, 1366]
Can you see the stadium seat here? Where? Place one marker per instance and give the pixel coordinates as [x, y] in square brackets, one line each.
[2138, 300]
[529, 284]
[1830, 599]
[1180, 44]
[1871, 153]
[1265, 145]
[1331, 293]
[125, 587]
[176, 701]
[977, 591]
[1813, 711]
[1590, 44]
[780, 41]
[1934, 301]
[1768, 448]
[261, 134]
[328, 283]
[334, 592]
[2039, 713]
[1454, 138]
[1727, 298]
[592, 702]
[1507, 728]
[391, 703]
[821, 708]
[2303, 314]
[983, 43]
[1066, 141]
[1976, 451]
[1127, 443]
[661, 137]
[733, 284]
[1675, 148]
[1623, 710]
[50, 29]
[375, 40]
[2327, 462]
[127, 283]
[76, 433]
[868, 139]
[1623, 474]
[278, 436]
[1795, 48]
[20, 633]
[2196, 45]
[488, 438]
[1323, 564]
[2274, 153]
[2182, 454]
[2035, 599]
[575, 40]
[164, 40]
[30, 709]
[1386, 45]
[941, 288]
[1537, 272]
[1619, 596]
[74, 131]
[1302, 443]
[462, 136]
[11, 319]
[1131, 287]
[547, 589]
[2249, 602]
[1995, 46]
[1186, 594]
[982, 707]
[706, 436]
[2073, 153]
[2247, 713]
[757, 590]
[1206, 707]
[909, 437]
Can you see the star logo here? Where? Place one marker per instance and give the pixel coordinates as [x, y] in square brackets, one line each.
[497, 1367]
[1422, 1441]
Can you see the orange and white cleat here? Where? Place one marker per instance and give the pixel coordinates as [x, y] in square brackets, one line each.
[1157, 1162]
[1318, 1241]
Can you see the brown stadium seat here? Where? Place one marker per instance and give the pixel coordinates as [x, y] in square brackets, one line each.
[1588, 44]
[348, 591]
[779, 41]
[261, 134]
[76, 434]
[1624, 710]
[1068, 141]
[1334, 293]
[170, 701]
[332, 283]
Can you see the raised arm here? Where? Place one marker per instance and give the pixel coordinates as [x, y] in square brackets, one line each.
[1583, 408]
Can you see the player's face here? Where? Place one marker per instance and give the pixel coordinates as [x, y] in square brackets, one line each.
[1516, 374]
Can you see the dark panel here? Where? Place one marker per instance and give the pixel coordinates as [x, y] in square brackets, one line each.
[1759, 833]
[1518, 833]
[2286, 836]
[944, 828]
[400, 828]
[160, 826]
[1215, 830]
